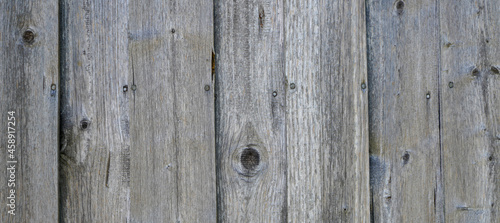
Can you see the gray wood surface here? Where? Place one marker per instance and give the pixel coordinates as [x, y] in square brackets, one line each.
[309, 143]
[172, 114]
[95, 139]
[29, 67]
[251, 111]
[147, 151]
[250, 121]
[471, 109]
[326, 111]
[403, 67]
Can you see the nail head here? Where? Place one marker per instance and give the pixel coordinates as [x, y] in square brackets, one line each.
[207, 87]
[53, 86]
[292, 86]
[133, 87]
[450, 85]
[363, 86]
[125, 88]
[275, 93]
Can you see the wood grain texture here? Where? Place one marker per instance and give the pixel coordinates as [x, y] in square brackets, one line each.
[327, 111]
[95, 140]
[137, 124]
[250, 118]
[470, 110]
[29, 67]
[172, 115]
[403, 68]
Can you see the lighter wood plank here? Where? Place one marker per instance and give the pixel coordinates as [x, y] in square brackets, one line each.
[470, 110]
[327, 111]
[249, 68]
[29, 67]
[403, 67]
[172, 114]
[95, 140]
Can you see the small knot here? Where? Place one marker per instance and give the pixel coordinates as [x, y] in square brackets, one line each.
[495, 69]
[400, 7]
[475, 72]
[250, 158]
[406, 158]
[84, 124]
[29, 36]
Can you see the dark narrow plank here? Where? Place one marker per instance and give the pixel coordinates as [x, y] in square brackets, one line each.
[250, 112]
[172, 111]
[30, 90]
[327, 111]
[403, 68]
[95, 141]
[470, 109]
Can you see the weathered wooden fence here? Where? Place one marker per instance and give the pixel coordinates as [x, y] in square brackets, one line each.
[250, 111]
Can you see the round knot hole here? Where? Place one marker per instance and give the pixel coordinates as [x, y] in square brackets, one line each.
[84, 124]
[400, 7]
[29, 36]
[250, 158]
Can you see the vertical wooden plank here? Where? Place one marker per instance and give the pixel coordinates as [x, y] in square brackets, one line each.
[250, 113]
[29, 89]
[172, 112]
[327, 111]
[403, 70]
[95, 141]
[470, 109]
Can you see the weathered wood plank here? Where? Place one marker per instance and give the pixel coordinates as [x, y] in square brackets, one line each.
[95, 141]
[250, 112]
[172, 112]
[403, 68]
[470, 109]
[138, 125]
[29, 87]
[327, 111]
